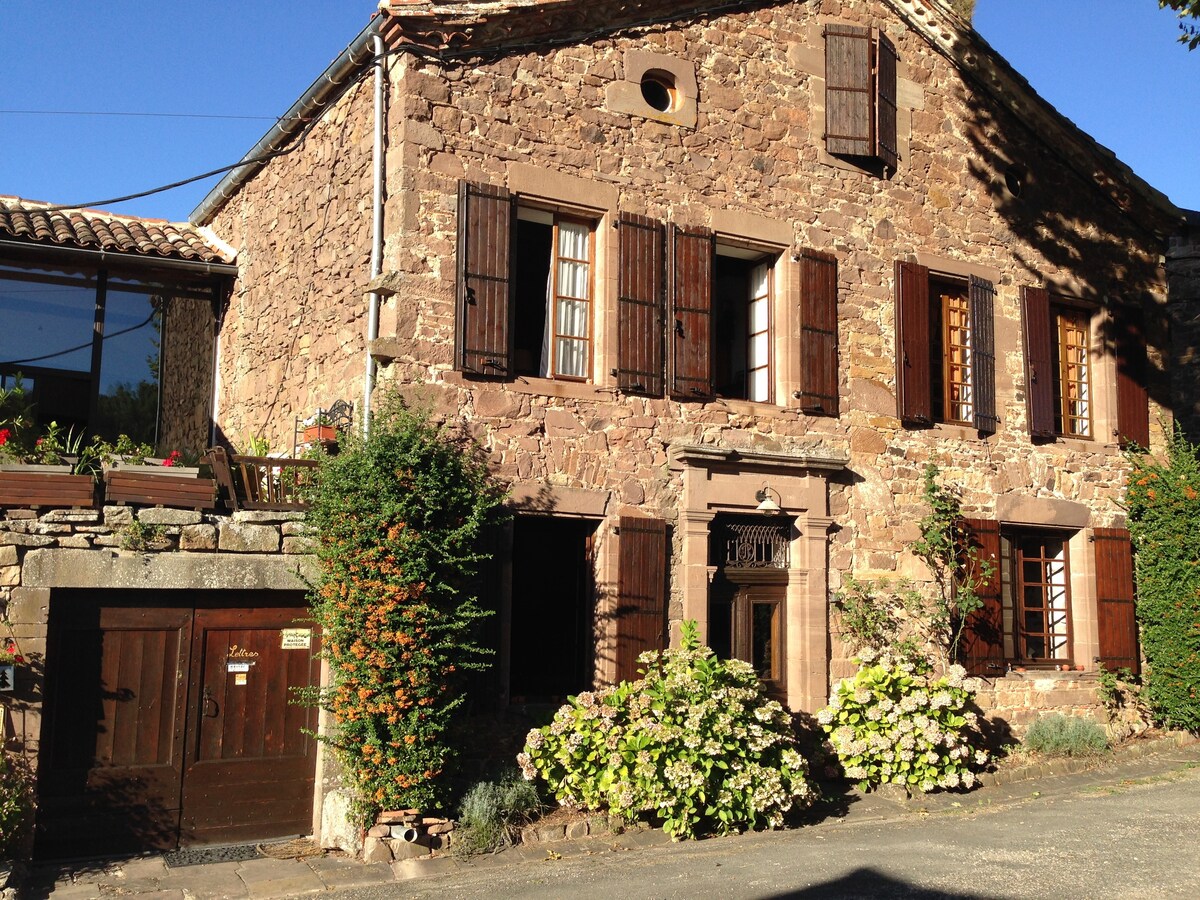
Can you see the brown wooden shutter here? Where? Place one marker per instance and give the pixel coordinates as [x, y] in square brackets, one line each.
[483, 332]
[1039, 362]
[690, 285]
[1133, 399]
[885, 103]
[1116, 614]
[983, 353]
[982, 643]
[640, 308]
[818, 333]
[913, 391]
[849, 123]
[641, 591]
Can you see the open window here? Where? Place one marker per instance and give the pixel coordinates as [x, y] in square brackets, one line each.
[526, 285]
[1036, 581]
[860, 95]
[945, 349]
[743, 289]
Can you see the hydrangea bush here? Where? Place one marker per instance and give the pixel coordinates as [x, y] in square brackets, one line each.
[894, 722]
[694, 743]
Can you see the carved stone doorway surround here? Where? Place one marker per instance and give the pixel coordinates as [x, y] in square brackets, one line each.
[724, 480]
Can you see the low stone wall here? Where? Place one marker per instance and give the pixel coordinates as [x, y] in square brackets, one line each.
[1020, 697]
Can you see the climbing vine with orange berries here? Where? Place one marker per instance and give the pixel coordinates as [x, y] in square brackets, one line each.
[398, 517]
[1163, 498]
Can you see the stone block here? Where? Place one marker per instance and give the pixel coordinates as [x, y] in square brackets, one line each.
[198, 537]
[78, 516]
[237, 537]
[405, 850]
[338, 832]
[13, 538]
[376, 850]
[295, 528]
[10, 576]
[8, 555]
[497, 404]
[75, 541]
[266, 516]
[577, 830]
[379, 831]
[118, 516]
[164, 516]
[293, 544]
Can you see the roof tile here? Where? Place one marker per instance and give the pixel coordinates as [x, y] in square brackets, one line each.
[94, 229]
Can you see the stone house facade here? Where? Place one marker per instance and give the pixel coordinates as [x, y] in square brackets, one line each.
[711, 284]
[666, 264]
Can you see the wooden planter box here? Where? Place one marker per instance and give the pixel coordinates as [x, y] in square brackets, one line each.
[33, 486]
[160, 486]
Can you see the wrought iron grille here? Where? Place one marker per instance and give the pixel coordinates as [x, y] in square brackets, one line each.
[755, 545]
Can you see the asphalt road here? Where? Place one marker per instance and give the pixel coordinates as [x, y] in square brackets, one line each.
[1120, 839]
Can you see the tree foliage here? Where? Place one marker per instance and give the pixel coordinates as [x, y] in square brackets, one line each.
[1187, 9]
[1163, 497]
[398, 516]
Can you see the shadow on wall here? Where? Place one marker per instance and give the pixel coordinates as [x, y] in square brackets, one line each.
[1097, 241]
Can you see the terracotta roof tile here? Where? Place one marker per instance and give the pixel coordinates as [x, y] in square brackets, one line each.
[94, 229]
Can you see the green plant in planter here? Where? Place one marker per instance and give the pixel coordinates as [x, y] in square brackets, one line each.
[694, 744]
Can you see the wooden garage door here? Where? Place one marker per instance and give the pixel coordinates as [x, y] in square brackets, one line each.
[168, 724]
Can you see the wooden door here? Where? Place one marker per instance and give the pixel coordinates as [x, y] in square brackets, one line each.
[113, 738]
[168, 724]
[250, 766]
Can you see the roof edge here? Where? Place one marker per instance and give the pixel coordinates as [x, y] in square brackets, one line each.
[347, 63]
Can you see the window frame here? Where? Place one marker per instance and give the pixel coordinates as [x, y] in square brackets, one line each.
[1013, 558]
[1064, 313]
[753, 255]
[590, 300]
[947, 290]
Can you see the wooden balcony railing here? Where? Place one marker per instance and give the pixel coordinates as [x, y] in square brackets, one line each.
[261, 482]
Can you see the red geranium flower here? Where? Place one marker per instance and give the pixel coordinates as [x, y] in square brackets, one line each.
[172, 458]
[4, 433]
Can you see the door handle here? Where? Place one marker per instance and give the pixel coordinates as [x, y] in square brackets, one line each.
[206, 699]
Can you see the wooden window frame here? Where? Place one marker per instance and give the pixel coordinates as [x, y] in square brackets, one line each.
[947, 291]
[590, 299]
[769, 257]
[1065, 313]
[1017, 584]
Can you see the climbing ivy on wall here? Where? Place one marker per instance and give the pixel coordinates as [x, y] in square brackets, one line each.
[1163, 497]
[398, 516]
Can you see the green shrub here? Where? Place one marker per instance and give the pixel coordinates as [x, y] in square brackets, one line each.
[16, 801]
[694, 744]
[894, 723]
[1059, 735]
[491, 812]
[397, 516]
[1164, 519]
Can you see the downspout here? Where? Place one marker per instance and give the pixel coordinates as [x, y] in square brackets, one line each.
[376, 228]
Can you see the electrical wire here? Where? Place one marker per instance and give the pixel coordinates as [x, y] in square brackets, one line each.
[84, 346]
[442, 56]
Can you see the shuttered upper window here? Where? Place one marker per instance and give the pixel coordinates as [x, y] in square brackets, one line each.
[743, 364]
[860, 94]
[945, 349]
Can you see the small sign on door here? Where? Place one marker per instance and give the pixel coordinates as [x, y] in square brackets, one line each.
[296, 638]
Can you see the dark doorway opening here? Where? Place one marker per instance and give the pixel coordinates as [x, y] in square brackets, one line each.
[552, 611]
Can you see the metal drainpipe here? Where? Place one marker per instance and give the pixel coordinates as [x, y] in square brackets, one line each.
[376, 228]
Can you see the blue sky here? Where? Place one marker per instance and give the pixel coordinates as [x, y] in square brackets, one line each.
[1111, 66]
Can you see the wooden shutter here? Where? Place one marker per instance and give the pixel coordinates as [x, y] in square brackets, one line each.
[640, 309]
[885, 103]
[1039, 362]
[849, 123]
[982, 643]
[818, 333]
[1133, 400]
[483, 332]
[983, 353]
[690, 285]
[913, 392]
[1116, 614]
[641, 591]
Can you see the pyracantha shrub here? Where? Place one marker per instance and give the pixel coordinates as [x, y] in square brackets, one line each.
[894, 722]
[397, 517]
[694, 744]
[1163, 498]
